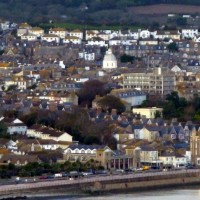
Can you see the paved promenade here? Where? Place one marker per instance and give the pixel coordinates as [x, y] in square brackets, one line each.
[90, 180]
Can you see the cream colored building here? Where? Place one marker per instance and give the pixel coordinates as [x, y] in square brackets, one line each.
[147, 112]
[23, 29]
[195, 147]
[29, 37]
[37, 31]
[76, 33]
[46, 133]
[171, 159]
[72, 39]
[103, 155]
[60, 32]
[51, 38]
[158, 81]
[109, 61]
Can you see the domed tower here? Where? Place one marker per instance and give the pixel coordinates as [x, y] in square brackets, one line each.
[109, 61]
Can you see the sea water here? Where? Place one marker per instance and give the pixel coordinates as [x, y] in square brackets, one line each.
[166, 194]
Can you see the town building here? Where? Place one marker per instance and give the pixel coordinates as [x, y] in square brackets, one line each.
[131, 96]
[104, 156]
[14, 126]
[195, 147]
[147, 112]
[29, 37]
[47, 133]
[36, 31]
[50, 38]
[109, 61]
[60, 32]
[158, 81]
[173, 160]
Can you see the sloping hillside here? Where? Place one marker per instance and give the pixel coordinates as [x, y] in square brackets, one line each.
[78, 11]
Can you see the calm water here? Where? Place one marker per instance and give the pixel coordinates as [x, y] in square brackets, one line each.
[176, 194]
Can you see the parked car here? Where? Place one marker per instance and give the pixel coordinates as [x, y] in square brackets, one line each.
[50, 176]
[87, 173]
[155, 167]
[58, 175]
[101, 172]
[138, 169]
[43, 177]
[189, 166]
[75, 174]
[128, 171]
[146, 168]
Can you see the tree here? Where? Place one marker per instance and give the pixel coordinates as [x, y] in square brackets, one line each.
[110, 102]
[174, 107]
[30, 119]
[126, 58]
[3, 87]
[91, 140]
[89, 91]
[3, 131]
[158, 114]
[172, 47]
[196, 102]
[12, 87]
[178, 102]
[169, 110]
[196, 116]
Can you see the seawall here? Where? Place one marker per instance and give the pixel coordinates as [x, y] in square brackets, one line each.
[102, 184]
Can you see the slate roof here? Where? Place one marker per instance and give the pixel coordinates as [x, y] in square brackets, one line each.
[83, 146]
[181, 146]
[47, 130]
[147, 148]
[167, 154]
[137, 126]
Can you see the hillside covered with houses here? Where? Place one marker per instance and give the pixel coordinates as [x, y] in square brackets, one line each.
[98, 98]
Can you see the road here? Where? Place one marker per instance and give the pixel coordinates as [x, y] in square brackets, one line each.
[113, 178]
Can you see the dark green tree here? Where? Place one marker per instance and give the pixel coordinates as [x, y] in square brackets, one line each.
[172, 47]
[89, 91]
[110, 102]
[3, 131]
[126, 58]
[158, 114]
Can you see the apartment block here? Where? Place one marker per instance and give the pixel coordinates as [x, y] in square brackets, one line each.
[158, 81]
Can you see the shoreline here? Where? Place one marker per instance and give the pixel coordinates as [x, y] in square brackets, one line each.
[104, 185]
[81, 195]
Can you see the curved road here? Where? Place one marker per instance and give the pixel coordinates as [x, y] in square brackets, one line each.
[46, 183]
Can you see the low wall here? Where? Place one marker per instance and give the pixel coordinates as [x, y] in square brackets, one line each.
[103, 184]
[148, 182]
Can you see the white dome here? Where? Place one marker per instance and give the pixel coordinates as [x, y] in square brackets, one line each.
[109, 61]
[109, 56]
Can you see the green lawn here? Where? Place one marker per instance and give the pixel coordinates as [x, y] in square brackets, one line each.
[72, 26]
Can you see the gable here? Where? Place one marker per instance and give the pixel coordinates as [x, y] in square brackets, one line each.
[17, 121]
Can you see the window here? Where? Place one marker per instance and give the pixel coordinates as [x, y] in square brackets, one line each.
[76, 151]
[82, 151]
[89, 151]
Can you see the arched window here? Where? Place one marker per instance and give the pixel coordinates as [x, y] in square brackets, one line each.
[89, 151]
[76, 151]
[82, 151]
